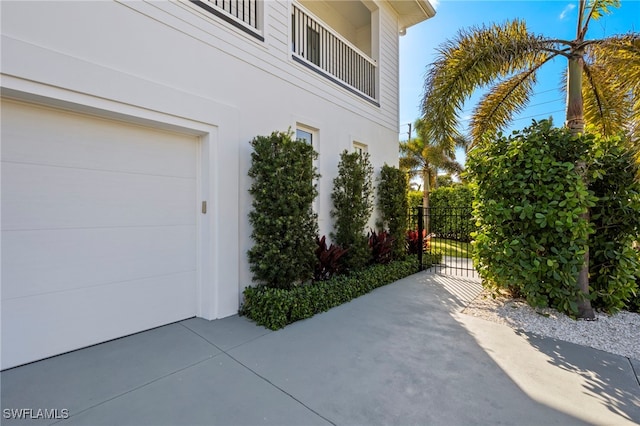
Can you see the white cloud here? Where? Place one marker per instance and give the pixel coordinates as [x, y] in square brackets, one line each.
[434, 3]
[566, 10]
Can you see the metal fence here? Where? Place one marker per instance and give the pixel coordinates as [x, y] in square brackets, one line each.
[446, 238]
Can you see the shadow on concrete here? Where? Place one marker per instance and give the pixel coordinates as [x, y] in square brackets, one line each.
[609, 379]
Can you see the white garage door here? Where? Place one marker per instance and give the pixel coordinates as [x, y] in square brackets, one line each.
[98, 230]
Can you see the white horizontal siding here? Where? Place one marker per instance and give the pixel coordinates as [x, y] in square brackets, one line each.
[389, 73]
[146, 48]
[276, 59]
[277, 13]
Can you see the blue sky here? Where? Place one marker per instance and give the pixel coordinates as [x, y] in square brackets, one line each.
[555, 19]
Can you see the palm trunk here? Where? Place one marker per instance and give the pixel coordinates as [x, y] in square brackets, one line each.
[575, 104]
[575, 122]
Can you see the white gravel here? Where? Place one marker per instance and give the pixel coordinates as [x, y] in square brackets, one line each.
[618, 334]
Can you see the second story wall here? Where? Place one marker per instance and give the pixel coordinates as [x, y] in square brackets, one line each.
[178, 44]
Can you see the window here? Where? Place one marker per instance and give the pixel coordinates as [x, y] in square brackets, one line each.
[309, 135]
[305, 135]
[360, 148]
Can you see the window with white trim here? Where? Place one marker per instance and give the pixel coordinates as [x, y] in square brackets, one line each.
[360, 148]
[310, 136]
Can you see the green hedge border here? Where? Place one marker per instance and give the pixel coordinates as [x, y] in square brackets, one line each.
[274, 308]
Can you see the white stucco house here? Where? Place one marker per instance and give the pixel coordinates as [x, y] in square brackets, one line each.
[125, 148]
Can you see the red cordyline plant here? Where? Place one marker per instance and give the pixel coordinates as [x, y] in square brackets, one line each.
[329, 259]
[381, 246]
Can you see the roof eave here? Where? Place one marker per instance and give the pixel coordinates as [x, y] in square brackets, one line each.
[412, 12]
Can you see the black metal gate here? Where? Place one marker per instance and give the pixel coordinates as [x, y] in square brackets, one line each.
[446, 240]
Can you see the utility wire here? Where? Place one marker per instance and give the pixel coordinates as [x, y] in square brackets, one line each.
[538, 115]
[517, 119]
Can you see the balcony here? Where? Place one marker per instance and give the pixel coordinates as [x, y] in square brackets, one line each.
[321, 48]
[242, 14]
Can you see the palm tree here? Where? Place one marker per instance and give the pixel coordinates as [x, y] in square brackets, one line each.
[602, 83]
[422, 157]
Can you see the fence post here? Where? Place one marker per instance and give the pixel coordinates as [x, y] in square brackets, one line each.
[420, 231]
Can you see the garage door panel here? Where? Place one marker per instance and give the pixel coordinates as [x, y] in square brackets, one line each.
[45, 197]
[99, 230]
[84, 317]
[80, 141]
[56, 260]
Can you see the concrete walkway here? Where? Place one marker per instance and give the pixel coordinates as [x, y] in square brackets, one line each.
[403, 354]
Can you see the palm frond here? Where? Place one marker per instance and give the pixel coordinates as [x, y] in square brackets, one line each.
[462, 141]
[595, 9]
[605, 107]
[419, 155]
[497, 108]
[409, 163]
[473, 59]
[620, 53]
[612, 71]
[599, 8]
[452, 166]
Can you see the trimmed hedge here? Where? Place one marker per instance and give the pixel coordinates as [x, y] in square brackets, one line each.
[274, 308]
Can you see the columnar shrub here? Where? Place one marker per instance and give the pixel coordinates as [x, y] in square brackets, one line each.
[352, 198]
[393, 205]
[530, 200]
[284, 224]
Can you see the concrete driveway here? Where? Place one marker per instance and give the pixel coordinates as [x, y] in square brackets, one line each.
[403, 354]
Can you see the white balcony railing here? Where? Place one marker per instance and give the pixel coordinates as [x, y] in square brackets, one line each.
[318, 46]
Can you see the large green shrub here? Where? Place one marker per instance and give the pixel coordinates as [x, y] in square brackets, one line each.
[530, 200]
[530, 208]
[457, 195]
[415, 198]
[352, 198]
[614, 265]
[450, 212]
[460, 195]
[284, 224]
[393, 204]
